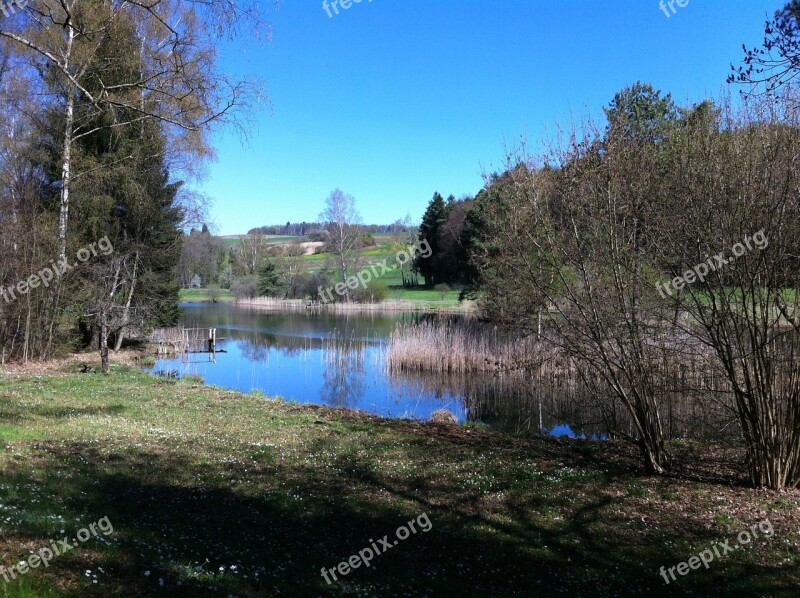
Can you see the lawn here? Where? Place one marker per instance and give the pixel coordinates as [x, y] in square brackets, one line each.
[215, 493]
[420, 297]
[202, 295]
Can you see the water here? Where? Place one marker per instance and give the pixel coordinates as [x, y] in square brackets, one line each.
[340, 360]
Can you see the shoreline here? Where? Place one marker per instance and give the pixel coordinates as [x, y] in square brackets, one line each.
[389, 306]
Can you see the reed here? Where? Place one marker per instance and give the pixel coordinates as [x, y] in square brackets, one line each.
[464, 346]
[391, 305]
[524, 384]
[180, 340]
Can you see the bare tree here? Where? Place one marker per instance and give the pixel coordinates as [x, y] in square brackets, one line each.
[777, 62]
[248, 253]
[177, 84]
[342, 231]
[26, 234]
[737, 191]
[566, 237]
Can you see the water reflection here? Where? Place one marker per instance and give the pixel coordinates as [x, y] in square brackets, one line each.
[345, 378]
[336, 360]
[340, 360]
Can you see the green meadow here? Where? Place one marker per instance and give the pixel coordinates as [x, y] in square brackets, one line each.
[216, 493]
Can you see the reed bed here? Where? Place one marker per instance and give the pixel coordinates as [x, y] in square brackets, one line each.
[456, 346]
[391, 305]
[523, 384]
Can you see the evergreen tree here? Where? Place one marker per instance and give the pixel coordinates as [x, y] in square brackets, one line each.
[270, 281]
[124, 194]
[640, 114]
[432, 221]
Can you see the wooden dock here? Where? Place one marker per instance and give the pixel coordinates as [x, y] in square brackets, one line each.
[184, 341]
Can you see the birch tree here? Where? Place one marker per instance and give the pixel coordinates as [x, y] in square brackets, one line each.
[341, 221]
[178, 85]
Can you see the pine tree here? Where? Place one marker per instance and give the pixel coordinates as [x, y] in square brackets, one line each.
[432, 221]
[124, 194]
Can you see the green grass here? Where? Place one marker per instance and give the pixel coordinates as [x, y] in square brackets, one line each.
[369, 256]
[216, 493]
[202, 295]
[271, 241]
[426, 297]
[420, 297]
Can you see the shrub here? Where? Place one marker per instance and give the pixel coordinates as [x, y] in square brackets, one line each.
[245, 287]
[372, 292]
[443, 416]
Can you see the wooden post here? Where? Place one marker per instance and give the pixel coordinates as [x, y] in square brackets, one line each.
[212, 343]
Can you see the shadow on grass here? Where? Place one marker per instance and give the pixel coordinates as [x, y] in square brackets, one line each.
[248, 525]
[14, 414]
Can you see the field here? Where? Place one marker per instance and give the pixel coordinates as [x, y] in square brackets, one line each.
[202, 295]
[214, 493]
[420, 298]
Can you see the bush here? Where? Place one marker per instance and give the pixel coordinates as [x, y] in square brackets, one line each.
[214, 292]
[443, 289]
[245, 287]
[443, 416]
[308, 286]
[365, 240]
[372, 292]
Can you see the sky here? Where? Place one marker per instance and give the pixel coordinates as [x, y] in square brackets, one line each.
[392, 100]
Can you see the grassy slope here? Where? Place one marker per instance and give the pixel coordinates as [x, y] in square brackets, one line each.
[419, 297]
[202, 295]
[196, 480]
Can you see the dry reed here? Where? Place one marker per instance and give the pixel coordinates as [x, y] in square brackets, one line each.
[524, 382]
[456, 346]
[391, 305]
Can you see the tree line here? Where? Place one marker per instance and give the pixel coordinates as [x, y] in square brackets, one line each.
[665, 236]
[250, 266]
[302, 229]
[108, 106]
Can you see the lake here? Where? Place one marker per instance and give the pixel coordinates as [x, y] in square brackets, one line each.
[339, 360]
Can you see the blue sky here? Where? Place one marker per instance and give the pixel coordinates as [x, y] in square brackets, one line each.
[392, 100]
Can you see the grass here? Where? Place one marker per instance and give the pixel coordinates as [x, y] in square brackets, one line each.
[216, 493]
[418, 297]
[203, 296]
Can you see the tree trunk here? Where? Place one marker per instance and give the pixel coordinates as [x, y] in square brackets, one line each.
[539, 322]
[66, 158]
[94, 343]
[343, 266]
[104, 344]
[126, 310]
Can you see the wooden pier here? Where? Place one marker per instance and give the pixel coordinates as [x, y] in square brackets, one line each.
[184, 341]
